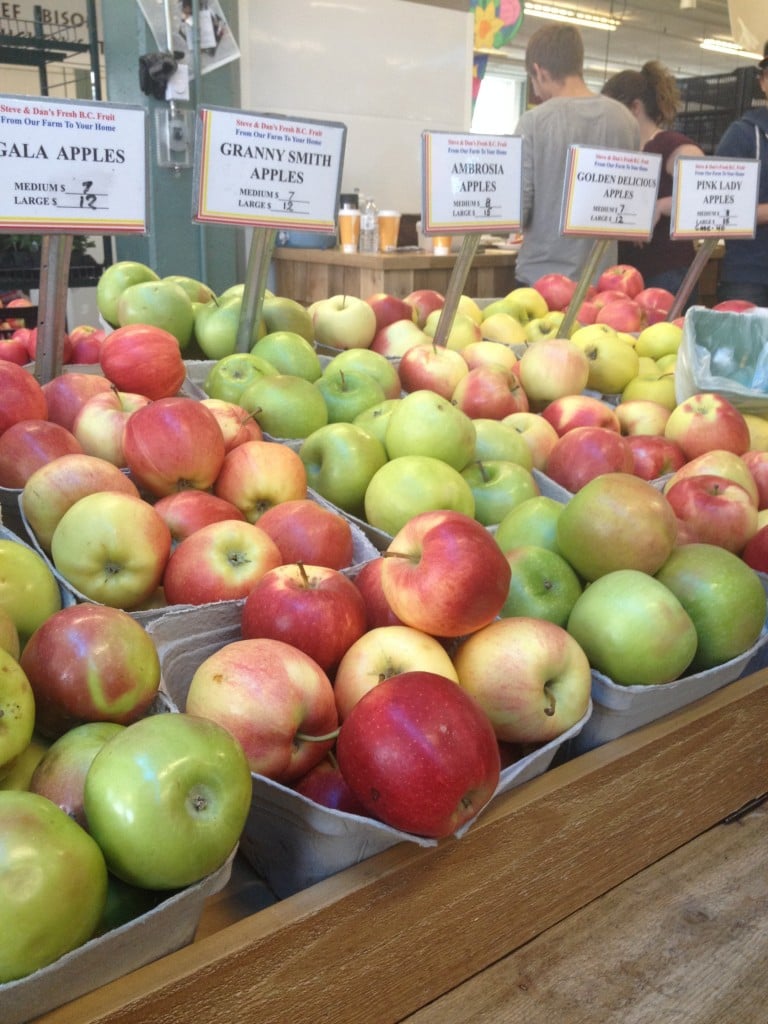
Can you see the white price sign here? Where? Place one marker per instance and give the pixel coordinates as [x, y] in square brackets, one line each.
[71, 168]
[610, 193]
[471, 183]
[262, 170]
[715, 196]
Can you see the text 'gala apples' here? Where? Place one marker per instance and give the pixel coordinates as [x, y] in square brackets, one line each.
[529, 675]
[617, 521]
[419, 754]
[143, 359]
[437, 547]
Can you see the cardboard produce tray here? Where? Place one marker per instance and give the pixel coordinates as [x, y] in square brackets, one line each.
[385, 937]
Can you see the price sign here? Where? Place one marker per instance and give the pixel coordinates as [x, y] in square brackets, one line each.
[714, 196]
[261, 170]
[610, 193]
[71, 168]
[471, 183]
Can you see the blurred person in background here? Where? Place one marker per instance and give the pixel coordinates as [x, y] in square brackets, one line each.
[653, 98]
[744, 268]
[569, 113]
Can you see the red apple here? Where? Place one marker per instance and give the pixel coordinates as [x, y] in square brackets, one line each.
[642, 416]
[99, 426]
[173, 443]
[431, 548]
[396, 338]
[601, 299]
[64, 341]
[556, 290]
[23, 396]
[654, 455]
[433, 367]
[708, 421]
[718, 463]
[551, 368]
[655, 303]
[259, 474]
[317, 609]
[273, 698]
[624, 315]
[325, 785]
[419, 754]
[235, 423]
[755, 551]
[572, 411]
[222, 561]
[30, 444]
[306, 531]
[490, 392]
[389, 308]
[86, 344]
[538, 434]
[377, 608]
[189, 510]
[757, 464]
[424, 301]
[143, 359]
[735, 306]
[621, 277]
[583, 453]
[67, 393]
[14, 350]
[714, 510]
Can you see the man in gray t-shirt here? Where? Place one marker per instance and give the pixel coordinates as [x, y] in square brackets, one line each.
[570, 113]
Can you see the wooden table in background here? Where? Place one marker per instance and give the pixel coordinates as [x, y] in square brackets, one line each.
[310, 274]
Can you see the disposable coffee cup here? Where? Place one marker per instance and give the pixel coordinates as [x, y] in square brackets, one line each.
[389, 228]
[349, 230]
[441, 245]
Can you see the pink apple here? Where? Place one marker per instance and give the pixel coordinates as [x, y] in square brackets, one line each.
[603, 298]
[556, 290]
[14, 350]
[23, 396]
[222, 561]
[707, 421]
[423, 301]
[490, 392]
[720, 463]
[58, 484]
[273, 698]
[642, 416]
[68, 392]
[377, 608]
[715, 510]
[587, 312]
[755, 551]
[655, 303]
[389, 308]
[86, 343]
[621, 277]
[259, 474]
[735, 306]
[173, 443]
[538, 434]
[432, 367]
[481, 353]
[325, 785]
[306, 531]
[654, 455]
[314, 607]
[434, 546]
[396, 338]
[65, 343]
[100, 424]
[551, 368]
[572, 411]
[186, 511]
[623, 315]
[757, 464]
[583, 453]
[235, 423]
[419, 754]
[30, 444]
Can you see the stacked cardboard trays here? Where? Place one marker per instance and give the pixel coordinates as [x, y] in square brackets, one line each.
[291, 841]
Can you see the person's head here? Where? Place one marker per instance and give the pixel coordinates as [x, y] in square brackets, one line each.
[558, 51]
[762, 71]
[652, 92]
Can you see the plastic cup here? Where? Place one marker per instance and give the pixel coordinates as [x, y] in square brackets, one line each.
[389, 227]
[349, 229]
[441, 245]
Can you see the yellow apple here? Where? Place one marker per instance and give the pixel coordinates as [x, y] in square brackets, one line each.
[9, 635]
[659, 339]
[504, 328]
[612, 363]
[532, 301]
[463, 331]
[758, 431]
[654, 387]
[667, 363]
[470, 308]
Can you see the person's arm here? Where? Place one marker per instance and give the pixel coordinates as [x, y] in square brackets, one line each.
[762, 213]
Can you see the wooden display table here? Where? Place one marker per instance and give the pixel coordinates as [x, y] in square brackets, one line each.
[310, 274]
[412, 926]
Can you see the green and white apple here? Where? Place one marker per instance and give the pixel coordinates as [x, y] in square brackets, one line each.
[367, 361]
[343, 321]
[285, 405]
[425, 423]
[498, 486]
[163, 304]
[340, 460]
[280, 314]
[115, 280]
[409, 484]
[289, 352]
[29, 591]
[376, 419]
[347, 393]
[499, 439]
[232, 374]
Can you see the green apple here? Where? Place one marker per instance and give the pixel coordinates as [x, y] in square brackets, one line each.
[633, 629]
[367, 361]
[425, 423]
[18, 773]
[235, 291]
[722, 595]
[340, 460]
[285, 405]
[532, 522]
[511, 306]
[495, 439]
[498, 486]
[216, 326]
[543, 585]
[410, 484]
[167, 799]
[283, 314]
[53, 883]
[654, 386]
[17, 710]
[376, 419]
[162, 304]
[29, 592]
[114, 281]
[232, 374]
[347, 393]
[196, 290]
[290, 353]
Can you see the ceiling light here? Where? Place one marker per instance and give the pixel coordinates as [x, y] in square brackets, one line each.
[727, 46]
[572, 17]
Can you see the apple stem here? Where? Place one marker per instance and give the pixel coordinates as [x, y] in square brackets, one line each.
[303, 572]
[549, 711]
[397, 554]
[304, 738]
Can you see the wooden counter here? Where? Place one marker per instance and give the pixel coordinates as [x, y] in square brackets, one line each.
[309, 274]
[507, 921]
